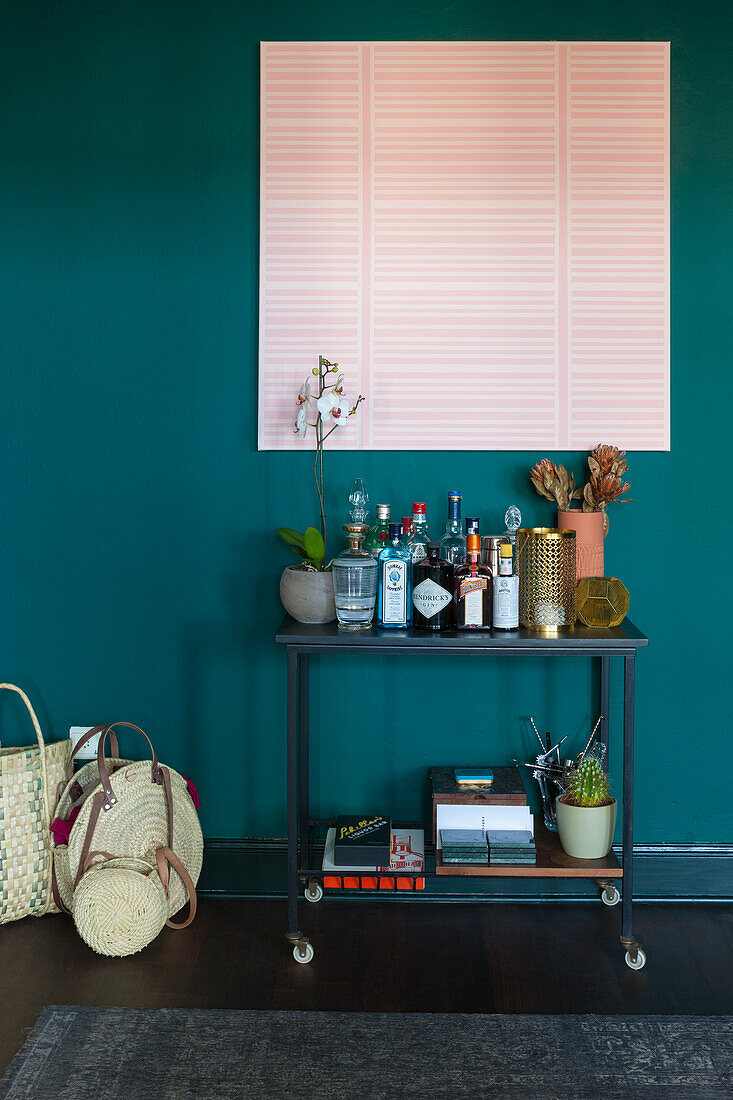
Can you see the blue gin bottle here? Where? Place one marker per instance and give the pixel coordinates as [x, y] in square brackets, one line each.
[395, 581]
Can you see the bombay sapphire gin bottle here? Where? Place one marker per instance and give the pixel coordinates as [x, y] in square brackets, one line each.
[395, 581]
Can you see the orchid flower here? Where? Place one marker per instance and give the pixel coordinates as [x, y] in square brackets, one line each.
[304, 396]
[341, 412]
[326, 404]
[332, 410]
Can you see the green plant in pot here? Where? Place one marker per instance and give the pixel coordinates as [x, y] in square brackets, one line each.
[586, 813]
[306, 589]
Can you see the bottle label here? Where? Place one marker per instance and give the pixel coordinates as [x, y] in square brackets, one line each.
[418, 552]
[505, 567]
[506, 602]
[429, 598]
[471, 594]
[394, 591]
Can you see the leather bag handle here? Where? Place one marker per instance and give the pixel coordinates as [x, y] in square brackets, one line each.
[164, 857]
[114, 748]
[109, 795]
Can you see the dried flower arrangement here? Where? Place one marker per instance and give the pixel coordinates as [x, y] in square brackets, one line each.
[605, 484]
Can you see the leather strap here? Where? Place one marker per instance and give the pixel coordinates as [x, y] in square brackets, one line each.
[166, 777]
[55, 890]
[91, 826]
[90, 858]
[164, 857]
[114, 748]
[109, 795]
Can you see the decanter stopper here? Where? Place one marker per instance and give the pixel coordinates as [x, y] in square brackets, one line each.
[359, 498]
[513, 520]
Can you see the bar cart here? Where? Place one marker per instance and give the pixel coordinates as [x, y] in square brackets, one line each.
[303, 639]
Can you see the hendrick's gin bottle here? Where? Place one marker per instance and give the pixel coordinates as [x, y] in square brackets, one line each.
[432, 592]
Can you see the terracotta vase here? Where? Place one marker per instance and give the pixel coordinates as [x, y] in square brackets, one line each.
[588, 527]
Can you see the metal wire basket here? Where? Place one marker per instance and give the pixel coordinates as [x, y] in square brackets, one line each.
[546, 558]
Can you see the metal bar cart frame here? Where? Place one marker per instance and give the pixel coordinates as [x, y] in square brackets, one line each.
[301, 640]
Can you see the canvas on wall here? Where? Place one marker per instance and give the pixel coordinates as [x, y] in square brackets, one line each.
[478, 232]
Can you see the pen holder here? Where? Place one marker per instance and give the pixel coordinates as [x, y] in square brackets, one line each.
[546, 559]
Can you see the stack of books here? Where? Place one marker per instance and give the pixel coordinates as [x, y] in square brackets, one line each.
[511, 846]
[464, 846]
[404, 868]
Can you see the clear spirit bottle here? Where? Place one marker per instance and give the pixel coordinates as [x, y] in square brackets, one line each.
[395, 582]
[354, 581]
[432, 593]
[378, 534]
[418, 541]
[453, 542]
[473, 589]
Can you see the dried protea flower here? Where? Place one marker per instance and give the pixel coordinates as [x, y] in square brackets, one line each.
[607, 466]
[607, 488]
[607, 459]
[552, 481]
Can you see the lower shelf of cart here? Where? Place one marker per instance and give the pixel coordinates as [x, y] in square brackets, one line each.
[551, 861]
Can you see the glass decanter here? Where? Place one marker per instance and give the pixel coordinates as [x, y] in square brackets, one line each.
[355, 573]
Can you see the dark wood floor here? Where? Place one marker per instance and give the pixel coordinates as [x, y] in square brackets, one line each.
[411, 957]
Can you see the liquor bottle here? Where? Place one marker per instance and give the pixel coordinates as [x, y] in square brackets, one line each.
[378, 534]
[432, 592]
[506, 591]
[418, 541]
[472, 525]
[406, 525]
[395, 581]
[354, 581]
[473, 589]
[453, 542]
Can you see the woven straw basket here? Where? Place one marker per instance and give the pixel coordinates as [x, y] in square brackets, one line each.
[104, 875]
[28, 781]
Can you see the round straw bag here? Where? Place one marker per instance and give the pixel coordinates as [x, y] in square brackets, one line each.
[121, 905]
[28, 780]
[140, 812]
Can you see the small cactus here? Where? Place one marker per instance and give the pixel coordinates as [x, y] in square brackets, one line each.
[588, 784]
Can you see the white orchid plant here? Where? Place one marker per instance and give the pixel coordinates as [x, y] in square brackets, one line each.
[322, 408]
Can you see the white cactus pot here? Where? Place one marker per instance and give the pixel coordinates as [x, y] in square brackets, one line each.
[307, 595]
[586, 832]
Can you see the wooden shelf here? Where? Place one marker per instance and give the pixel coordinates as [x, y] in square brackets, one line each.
[551, 862]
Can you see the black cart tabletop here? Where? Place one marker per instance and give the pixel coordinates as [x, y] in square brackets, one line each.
[328, 635]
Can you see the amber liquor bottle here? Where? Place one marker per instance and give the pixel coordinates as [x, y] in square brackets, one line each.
[432, 591]
[473, 589]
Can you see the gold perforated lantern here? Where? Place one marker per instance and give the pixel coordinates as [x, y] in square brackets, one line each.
[546, 560]
[602, 601]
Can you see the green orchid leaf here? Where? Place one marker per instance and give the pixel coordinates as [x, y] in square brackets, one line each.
[293, 538]
[315, 547]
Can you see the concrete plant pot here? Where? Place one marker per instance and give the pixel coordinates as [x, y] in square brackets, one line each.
[586, 832]
[307, 595]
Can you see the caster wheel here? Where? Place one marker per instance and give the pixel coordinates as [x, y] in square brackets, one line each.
[610, 896]
[313, 892]
[637, 962]
[307, 954]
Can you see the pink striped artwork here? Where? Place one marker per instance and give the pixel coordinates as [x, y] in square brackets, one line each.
[478, 232]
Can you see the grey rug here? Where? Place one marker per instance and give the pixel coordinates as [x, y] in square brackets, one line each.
[167, 1054]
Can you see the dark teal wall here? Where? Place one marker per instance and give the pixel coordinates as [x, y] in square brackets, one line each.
[138, 570]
